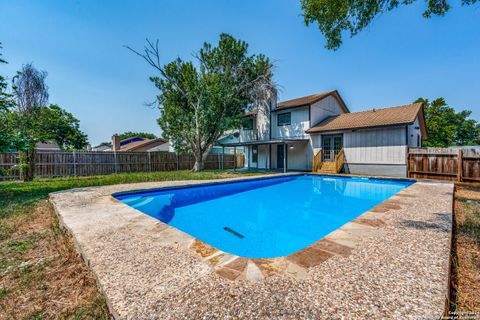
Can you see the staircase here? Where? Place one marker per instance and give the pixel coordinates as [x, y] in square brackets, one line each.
[327, 167]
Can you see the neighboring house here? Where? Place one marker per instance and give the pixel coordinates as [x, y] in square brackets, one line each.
[139, 144]
[228, 137]
[102, 147]
[374, 142]
[47, 146]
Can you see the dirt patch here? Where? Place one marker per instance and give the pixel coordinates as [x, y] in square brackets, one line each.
[41, 275]
[466, 249]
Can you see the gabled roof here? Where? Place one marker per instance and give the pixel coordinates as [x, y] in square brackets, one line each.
[399, 115]
[132, 146]
[311, 99]
[131, 139]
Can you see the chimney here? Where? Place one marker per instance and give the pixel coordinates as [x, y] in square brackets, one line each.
[116, 142]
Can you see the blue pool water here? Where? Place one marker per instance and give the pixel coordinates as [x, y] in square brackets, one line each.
[266, 217]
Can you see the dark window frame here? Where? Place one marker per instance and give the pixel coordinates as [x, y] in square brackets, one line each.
[254, 153]
[285, 123]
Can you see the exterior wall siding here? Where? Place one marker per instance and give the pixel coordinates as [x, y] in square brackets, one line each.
[398, 170]
[298, 156]
[324, 108]
[262, 157]
[376, 146]
[413, 134]
[299, 124]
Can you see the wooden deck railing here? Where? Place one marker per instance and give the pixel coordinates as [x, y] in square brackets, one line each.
[317, 161]
[339, 161]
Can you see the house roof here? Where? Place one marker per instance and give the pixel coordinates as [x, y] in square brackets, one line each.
[311, 99]
[131, 139]
[132, 146]
[391, 116]
[252, 112]
[49, 145]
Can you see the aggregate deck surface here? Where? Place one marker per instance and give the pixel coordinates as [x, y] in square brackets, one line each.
[390, 262]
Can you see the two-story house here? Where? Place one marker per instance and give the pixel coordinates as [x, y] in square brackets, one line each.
[293, 134]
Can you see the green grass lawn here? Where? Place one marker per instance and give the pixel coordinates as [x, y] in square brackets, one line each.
[17, 196]
[41, 275]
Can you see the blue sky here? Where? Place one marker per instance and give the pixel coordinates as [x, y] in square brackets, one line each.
[400, 57]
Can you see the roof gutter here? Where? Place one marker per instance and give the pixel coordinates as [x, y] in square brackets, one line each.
[361, 128]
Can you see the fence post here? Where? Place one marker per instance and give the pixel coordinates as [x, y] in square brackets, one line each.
[459, 165]
[235, 158]
[74, 164]
[149, 161]
[115, 160]
[176, 156]
[223, 157]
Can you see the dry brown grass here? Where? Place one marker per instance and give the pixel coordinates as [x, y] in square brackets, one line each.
[466, 249]
[42, 276]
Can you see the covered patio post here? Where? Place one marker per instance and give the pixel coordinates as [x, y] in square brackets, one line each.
[284, 157]
[270, 156]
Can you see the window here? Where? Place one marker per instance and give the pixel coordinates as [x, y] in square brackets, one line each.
[418, 140]
[254, 153]
[248, 123]
[284, 119]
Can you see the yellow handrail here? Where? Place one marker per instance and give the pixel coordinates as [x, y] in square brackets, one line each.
[317, 161]
[339, 161]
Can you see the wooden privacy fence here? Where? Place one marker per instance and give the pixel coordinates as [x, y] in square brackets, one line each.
[444, 163]
[87, 163]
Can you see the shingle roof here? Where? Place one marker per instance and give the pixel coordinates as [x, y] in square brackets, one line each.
[132, 146]
[373, 118]
[310, 99]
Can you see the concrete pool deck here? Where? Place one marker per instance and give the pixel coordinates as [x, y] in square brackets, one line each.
[390, 262]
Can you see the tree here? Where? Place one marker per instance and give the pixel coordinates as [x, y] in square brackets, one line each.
[6, 104]
[130, 134]
[335, 17]
[446, 127]
[198, 104]
[35, 122]
[6, 99]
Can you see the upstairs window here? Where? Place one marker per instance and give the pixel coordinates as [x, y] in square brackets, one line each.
[284, 119]
[248, 123]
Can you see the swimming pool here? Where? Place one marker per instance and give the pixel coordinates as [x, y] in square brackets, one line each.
[264, 217]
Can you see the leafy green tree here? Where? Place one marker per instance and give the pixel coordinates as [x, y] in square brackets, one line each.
[446, 127]
[199, 104]
[34, 121]
[130, 134]
[337, 16]
[6, 104]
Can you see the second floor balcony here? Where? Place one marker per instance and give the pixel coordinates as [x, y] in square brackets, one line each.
[248, 135]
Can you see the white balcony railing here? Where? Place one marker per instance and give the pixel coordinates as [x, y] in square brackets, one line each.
[248, 135]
